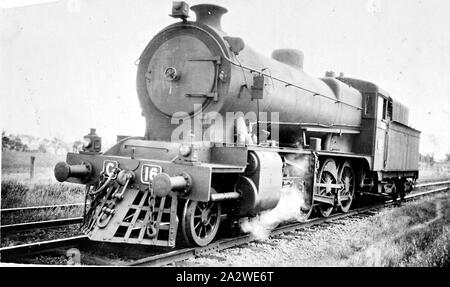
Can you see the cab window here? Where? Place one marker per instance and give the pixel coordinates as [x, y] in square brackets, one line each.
[384, 109]
[380, 110]
[368, 104]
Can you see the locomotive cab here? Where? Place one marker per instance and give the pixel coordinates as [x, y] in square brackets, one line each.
[387, 137]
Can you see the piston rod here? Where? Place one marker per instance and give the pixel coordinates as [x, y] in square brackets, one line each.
[225, 196]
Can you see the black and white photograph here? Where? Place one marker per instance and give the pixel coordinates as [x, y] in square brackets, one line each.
[225, 133]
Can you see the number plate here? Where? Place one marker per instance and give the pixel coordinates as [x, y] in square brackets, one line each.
[148, 171]
[109, 166]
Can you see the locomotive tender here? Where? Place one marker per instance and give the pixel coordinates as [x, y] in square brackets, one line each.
[331, 138]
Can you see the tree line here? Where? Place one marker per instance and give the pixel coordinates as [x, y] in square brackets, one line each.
[18, 143]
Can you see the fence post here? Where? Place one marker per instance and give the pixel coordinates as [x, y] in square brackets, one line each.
[32, 158]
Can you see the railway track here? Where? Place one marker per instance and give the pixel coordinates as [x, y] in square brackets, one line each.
[10, 228]
[25, 226]
[179, 255]
[9, 253]
[41, 207]
[17, 227]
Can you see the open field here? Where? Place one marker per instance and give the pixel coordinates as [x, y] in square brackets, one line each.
[19, 162]
[417, 234]
[17, 194]
[18, 190]
[440, 170]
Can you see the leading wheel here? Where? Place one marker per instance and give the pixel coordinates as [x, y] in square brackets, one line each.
[200, 222]
[346, 175]
[327, 175]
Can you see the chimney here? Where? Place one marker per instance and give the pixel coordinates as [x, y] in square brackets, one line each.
[209, 14]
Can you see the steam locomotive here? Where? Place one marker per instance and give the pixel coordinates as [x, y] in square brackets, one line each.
[226, 129]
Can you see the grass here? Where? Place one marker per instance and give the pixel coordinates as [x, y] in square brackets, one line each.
[439, 171]
[18, 190]
[17, 194]
[416, 234]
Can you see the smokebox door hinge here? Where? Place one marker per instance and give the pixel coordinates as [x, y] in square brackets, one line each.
[215, 59]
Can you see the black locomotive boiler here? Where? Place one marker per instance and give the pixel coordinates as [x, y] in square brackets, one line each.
[332, 138]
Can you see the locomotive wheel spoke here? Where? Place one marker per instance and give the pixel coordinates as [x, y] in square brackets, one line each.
[200, 222]
[327, 175]
[347, 178]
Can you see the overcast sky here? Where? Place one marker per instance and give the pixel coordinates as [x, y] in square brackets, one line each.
[68, 65]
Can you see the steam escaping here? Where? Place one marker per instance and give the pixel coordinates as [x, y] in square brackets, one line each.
[287, 209]
[292, 206]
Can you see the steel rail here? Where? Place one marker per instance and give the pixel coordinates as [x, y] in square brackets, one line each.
[44, 246]
[183, 254]
[411, 196]
[432, 183]
[5, 210]
[39, 224]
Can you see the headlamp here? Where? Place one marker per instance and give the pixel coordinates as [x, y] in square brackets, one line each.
[185, 150]
[92, 142]
[87, 142]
